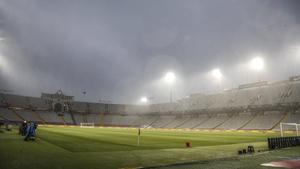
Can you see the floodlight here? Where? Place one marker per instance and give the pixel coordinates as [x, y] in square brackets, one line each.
[217, 74]
[144, 100]
[170, 77]
[257, 64]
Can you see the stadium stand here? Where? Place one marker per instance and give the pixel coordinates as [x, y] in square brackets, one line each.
[220, 101]
[128, 120]
[29, 116]
[179, 120]
[213, 122]
[78, 117]
[68, 119]
[16, 101]
[162, 121]
[236, 121]
[37, 103]
[260, 106]
[194, 121]
[291, 117]
[93, 118]
[272, 94]
[79, 107]
[265, 120]
[9, 115]
[291, 93]
[147, 120]
[50, 117]
[114, 120]
[96, 108]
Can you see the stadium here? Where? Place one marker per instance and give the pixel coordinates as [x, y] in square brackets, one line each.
[245, 115]
[149, 85]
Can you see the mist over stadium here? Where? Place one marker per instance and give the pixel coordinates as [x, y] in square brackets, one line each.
[108, 48]
[150, 84]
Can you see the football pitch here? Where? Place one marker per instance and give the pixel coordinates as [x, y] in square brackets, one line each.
[89, 148]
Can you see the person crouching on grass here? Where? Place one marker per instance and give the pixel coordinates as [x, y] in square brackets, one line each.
[30, 131]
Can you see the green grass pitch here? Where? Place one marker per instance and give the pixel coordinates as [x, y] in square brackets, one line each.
[89, 148]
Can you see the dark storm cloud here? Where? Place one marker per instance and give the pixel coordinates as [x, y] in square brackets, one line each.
[117, 50]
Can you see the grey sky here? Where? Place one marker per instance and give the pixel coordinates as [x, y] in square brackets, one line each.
[119, 50]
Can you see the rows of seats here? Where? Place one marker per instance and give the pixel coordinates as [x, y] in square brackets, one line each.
[145, 120]
[293, 93]
[271, 94]
[9, 115]
[236, 122]
[265, 121]
[38, 103]
[213, 122]
[93, 118]
[79, 106]
[291, 117]
[96, 107]
[16, 101]
[24, 102]
[112, 120]
[67, 118]
[162, 121]
[79, 119]
[128, 120]
[192, 122]
[29, 116]
[178, 121]
[51, 117]
[172, 115]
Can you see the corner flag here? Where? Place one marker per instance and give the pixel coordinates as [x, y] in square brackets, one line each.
[139, 133]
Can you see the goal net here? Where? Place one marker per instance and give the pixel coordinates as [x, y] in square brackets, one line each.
[87, 125]
[292, 127]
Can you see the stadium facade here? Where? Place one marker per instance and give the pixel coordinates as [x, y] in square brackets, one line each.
[258, 106]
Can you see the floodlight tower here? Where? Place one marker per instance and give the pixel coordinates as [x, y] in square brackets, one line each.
[170, 79]
[257, 64]
[217, 75]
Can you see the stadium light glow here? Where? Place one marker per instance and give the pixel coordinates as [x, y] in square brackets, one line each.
[170, 77]
[3, 63]
[217, 74]
[144, 100]
[297, 52]
[257, 64]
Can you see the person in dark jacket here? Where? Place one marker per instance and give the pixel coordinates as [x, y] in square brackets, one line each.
[22, 128]
[30, 131]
